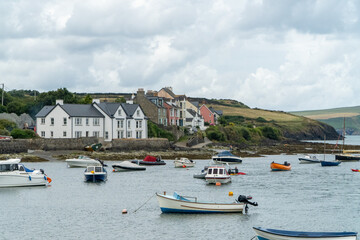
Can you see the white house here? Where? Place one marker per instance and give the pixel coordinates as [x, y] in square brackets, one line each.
[106, 120]
[194, 120]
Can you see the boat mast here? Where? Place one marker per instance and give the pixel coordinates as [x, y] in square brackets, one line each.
[343, 147]
[324, 146]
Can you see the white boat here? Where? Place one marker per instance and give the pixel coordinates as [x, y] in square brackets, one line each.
[184, 163]
[309, 159]
[81, 161]
[275, 234]
[202, 174]
[95, 173]
[127, 166]
[226, 157]
[183, 204]
[217, 174]
[15, 174]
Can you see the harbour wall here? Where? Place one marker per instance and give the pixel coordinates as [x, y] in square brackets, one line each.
[23, 145]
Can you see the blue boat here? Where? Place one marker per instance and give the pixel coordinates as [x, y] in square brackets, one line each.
[275, 234]
[95, 174]
[226, 157]
[329, 163]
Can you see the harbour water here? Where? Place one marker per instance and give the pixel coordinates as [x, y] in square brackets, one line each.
[308, 198]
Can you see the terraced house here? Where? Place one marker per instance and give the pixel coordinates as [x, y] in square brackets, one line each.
[105, 120]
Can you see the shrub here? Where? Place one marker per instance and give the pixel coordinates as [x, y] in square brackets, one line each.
[155, 131]
[6, 124]
[271, 133]
[22, 133]
[260, 119]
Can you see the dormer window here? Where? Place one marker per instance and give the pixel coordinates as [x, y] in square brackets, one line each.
[119, 112]
[138, 113]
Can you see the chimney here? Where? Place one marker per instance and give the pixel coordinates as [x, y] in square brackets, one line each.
[60, 102]
[170, 88]
[141, 92]
[96, 101]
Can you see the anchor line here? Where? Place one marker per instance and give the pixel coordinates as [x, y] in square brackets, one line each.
[145, 203]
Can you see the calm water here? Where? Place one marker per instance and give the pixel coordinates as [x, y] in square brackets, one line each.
[308, 198]
[350, 140]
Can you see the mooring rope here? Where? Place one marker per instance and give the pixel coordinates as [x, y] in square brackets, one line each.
[145, 203]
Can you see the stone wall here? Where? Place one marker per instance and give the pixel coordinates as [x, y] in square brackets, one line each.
[23, 145]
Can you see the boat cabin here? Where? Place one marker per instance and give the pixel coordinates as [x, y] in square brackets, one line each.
[11, 165]
[95, 169]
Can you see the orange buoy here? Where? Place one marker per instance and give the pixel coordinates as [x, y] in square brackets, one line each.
[231, 193]
[124, 211]
[218, 184]
[184, 166]
[48, 179]
[113, 170]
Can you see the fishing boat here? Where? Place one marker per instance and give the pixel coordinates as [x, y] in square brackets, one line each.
[347, 155]
[150, 160]
[184, 163]
[226, 157]
[95, 173]
[309, 159]
[329, 163]
[202, 174]
[81, 161]
[127, 166]
[275, 234]
[217, 174]
[15, 174]
[280, 167]
[184, 204]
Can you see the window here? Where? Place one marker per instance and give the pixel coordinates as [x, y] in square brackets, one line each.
[65, 121]
[96, 121]
[42, 133]
[52, 121]
[210, 171]
[51, 134]
[120, 134]
[96, 134]
[221, 171]
[138, 112]
[138, 124]
[64, 134]
[121, 123]
[78, 121]
[87, 122]
[129, 134]
[119, 112]
[106, 135]
[43, 121]
[78, 134]
[87, 134]
[138, 134]
[129, 124]
[215, 170]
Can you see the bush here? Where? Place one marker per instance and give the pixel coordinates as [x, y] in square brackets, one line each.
[157, 132]
[260, 119]
[6, 124]
[23, 133]
[271, 133]
[4, 132]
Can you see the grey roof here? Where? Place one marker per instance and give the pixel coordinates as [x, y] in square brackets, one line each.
[74, 110]
[169, 92]
[219, 112]
[196, 104]
[44, 111]
[129, 108]
[81, 110]
[192, 112]
[109, 108]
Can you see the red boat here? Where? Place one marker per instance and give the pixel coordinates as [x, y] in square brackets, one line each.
[355, 170]
[150, 160]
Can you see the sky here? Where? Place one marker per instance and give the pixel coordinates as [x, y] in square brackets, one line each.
[277, 55]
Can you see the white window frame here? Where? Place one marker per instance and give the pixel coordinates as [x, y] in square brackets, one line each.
[42, 133]
[78, 134]
[42, 120]
[96, 122]
[64, 121]
[64, 133]
[87, 121]
[78, 121]
[52, 121]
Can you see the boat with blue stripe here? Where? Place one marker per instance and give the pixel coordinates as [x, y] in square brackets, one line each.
[276, 234]
[226, 157]
[183, 204]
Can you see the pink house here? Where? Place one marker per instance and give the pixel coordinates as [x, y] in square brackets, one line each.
[207, 114]
[172, 113]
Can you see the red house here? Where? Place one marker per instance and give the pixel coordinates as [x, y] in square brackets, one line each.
[207, 114]
[172, 113]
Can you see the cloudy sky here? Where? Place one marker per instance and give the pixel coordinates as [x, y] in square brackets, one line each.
[278, 54]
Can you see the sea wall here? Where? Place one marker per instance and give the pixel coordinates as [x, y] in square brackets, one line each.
[23, 145]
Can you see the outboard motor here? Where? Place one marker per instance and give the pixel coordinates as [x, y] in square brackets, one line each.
[245, 200]
[42, 171]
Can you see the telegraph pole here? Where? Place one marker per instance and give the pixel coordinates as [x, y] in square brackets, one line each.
[2, 94]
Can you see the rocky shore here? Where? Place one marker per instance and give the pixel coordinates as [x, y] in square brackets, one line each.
[273, 148]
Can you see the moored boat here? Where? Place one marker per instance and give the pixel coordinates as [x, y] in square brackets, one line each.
[15, 174]
[95, 173]
[280, 167]
[217, 174]
[226, 157]
[184, 204]
[202, 174]
[275, 234]
[127, 166]
[184, 163]
[355, 170]
[347, 157]
[81, 161]
[329, 163]
[309, 159]
[150, 160]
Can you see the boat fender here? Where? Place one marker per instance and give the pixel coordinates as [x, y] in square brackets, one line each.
[30, 178]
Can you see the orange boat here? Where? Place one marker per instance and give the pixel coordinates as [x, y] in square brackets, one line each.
[280, 167]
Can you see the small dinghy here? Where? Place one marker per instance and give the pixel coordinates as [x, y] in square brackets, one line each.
[355, 170]
[81, 162]
[309, 159]
[275, 234]
[329, 163]
[202, 174]
[127, 166]
[150, 160]
[184, 163]
[184, 204]
[280, 167]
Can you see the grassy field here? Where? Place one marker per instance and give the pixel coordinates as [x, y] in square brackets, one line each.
[330, 113]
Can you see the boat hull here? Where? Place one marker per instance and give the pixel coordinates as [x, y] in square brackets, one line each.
[95, 177]
[307, 160]
[274, 234]
[279, 167]
[229, 160]
[119, 168]
[171, 205]
[22, 180]
[329, 163]
[183, 164]
[214, 180]
[346, 157]
[80, 163]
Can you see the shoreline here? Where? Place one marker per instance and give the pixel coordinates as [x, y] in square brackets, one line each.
[205, 153]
